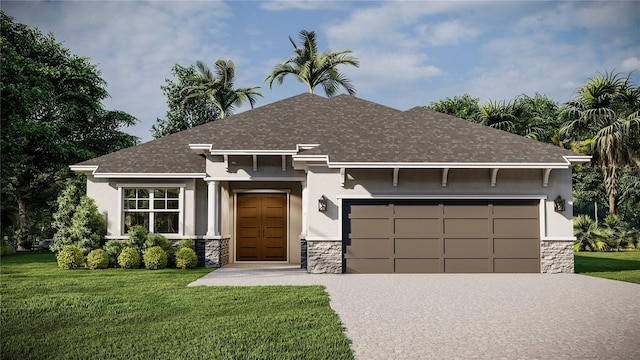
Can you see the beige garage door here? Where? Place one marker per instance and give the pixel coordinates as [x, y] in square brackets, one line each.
[449, 237]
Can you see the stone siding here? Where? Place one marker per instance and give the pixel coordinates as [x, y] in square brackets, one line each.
[212, 253]
[556, 257]
[324, 257]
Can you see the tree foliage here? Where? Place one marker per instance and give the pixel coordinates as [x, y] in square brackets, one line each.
[182, 115]
[52, 116]
[218, 87]
[464, 107]
[606, 110]
[313, 68]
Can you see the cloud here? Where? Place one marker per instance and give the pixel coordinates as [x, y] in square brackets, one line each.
[134, 44]
[630, 64]
[446, 33]
[283, 5]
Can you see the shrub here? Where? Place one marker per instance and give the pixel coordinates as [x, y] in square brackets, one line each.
[186, 258]
[137, 237]
[113, 249]
[67, 201]
[129, 258]
[97, 259]
[164, 243]
[155, 258]
[187, 243]
[6, 250]
[70, 257]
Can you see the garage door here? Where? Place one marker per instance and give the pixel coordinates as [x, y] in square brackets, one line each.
[441, 237]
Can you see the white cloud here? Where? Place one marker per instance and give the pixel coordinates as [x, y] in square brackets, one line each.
[630, 64]
[446, 33]
[283, 5]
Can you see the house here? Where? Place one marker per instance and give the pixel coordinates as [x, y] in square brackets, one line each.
[347, 185]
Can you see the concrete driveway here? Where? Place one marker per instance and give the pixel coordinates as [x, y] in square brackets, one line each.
[471, 316]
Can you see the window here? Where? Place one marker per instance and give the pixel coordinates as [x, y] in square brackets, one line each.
[157, 209]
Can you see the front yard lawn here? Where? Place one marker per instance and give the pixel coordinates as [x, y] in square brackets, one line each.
[624, 266]
[48, 313]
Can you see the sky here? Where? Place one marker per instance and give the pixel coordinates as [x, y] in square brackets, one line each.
[411, 53]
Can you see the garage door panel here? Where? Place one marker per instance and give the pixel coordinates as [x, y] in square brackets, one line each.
[370, 228]
[466, 266]
[516, 248]
[516, 265]
[369, 266]
[422, 265]
[370, 211]
[417, 228]
[417, 247]
[471, 228]
[465, 211]
[524, 228]
[417, 211]
[368, 248]
[515, 211]
[448, 236]
[466, 248]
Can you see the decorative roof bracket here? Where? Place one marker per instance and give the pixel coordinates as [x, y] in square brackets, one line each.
[445, 176]
[545, 177]
[494, 176]
[395, 176]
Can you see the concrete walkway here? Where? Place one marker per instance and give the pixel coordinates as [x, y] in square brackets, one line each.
[470, 316]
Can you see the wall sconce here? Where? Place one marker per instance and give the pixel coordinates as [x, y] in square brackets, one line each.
[322, 204]
[559, 204]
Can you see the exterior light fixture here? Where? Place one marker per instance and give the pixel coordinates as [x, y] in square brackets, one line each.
[322, 204]
[559, 204]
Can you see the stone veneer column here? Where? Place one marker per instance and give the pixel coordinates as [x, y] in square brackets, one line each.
[324, 256]
[556, 256]
[213, 253]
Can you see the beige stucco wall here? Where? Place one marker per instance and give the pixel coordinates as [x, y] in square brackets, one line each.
[465, 183]
[105, 193]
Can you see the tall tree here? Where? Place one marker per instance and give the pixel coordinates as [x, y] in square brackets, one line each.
[183, 115]
[313, 69]
[52, 116]
[219, 88]
[606, 109]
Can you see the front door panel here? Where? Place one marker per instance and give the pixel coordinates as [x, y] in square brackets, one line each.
[261, 227]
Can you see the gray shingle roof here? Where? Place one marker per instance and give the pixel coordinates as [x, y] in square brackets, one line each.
[347, 129]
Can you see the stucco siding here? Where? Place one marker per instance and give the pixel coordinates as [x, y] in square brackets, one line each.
[465, 183]
[107, 197]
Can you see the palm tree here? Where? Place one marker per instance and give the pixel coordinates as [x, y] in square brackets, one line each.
[313, 68]
[219, 87]
[606, 109]
[588, 235]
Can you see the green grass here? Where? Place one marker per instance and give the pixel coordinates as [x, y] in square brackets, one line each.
[623, 266]
[51, 313]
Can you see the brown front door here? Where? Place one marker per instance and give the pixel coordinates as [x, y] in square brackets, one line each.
[261, 231]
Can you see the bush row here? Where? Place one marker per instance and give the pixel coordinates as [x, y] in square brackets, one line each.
[153, 250]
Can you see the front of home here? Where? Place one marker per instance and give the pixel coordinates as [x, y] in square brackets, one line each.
[345, 185]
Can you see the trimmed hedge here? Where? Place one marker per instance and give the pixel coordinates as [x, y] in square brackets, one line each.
[97, 259]
[129, 258]
[186, 258]
[70, 257]
[155, 258]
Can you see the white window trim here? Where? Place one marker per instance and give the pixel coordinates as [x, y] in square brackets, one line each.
[181, 198]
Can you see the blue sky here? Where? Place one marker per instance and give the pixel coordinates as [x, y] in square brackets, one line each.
[411, 52]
